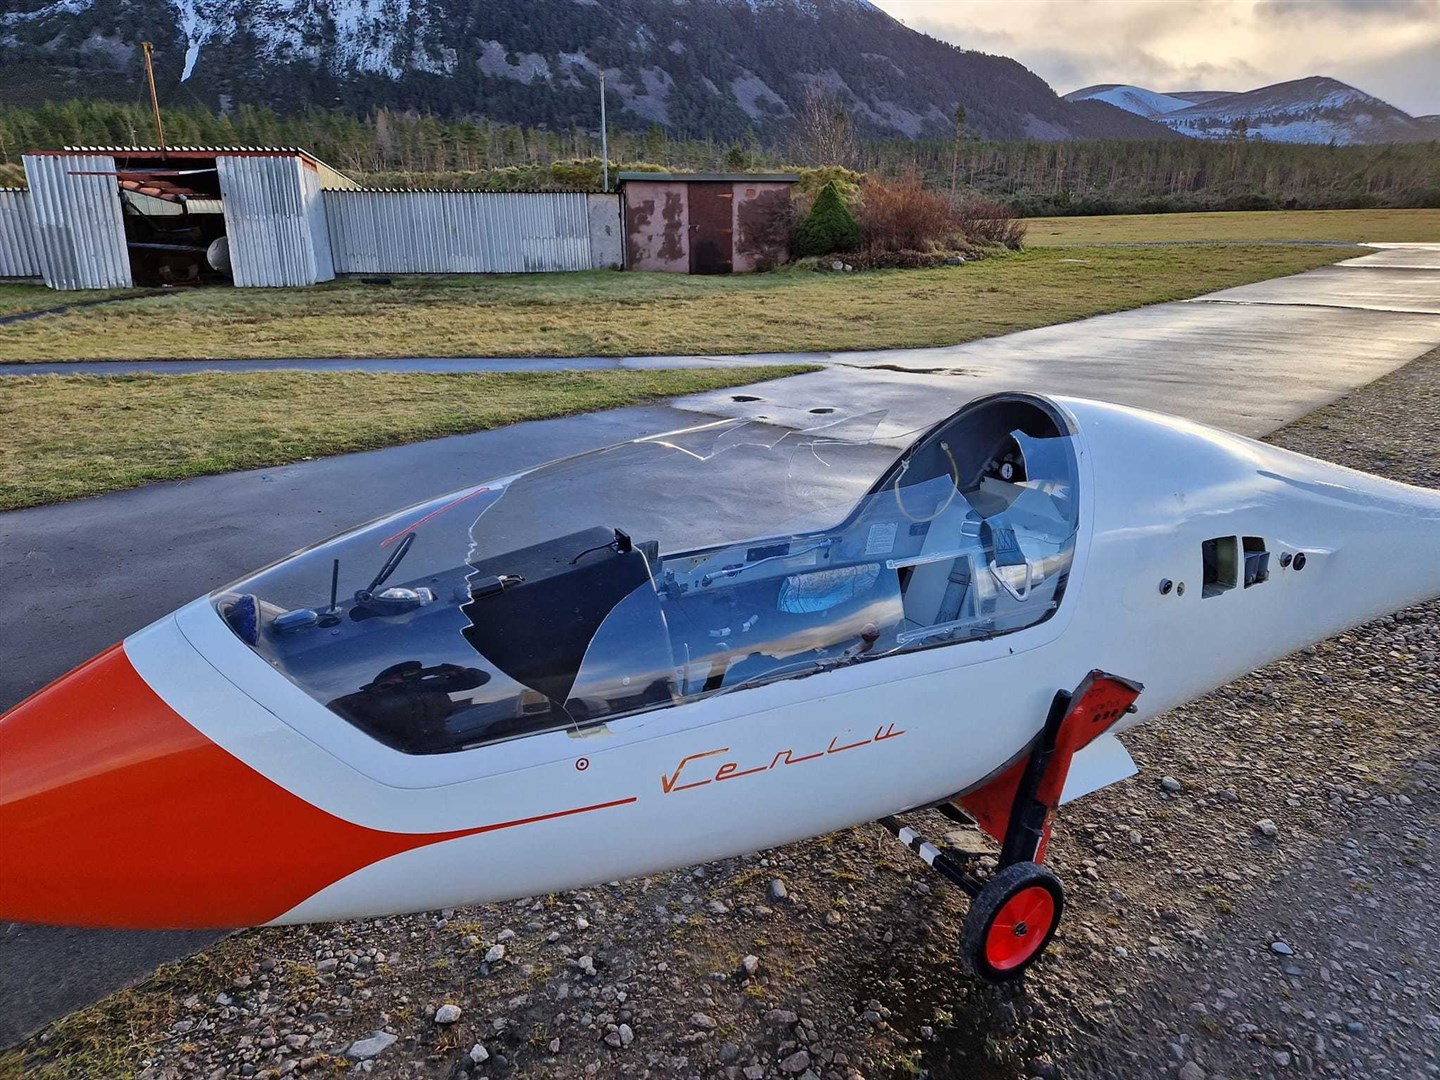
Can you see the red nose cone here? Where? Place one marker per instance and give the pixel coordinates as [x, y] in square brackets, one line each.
[116, 812]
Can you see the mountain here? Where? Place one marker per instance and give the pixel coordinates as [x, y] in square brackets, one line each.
[1133, 99]
[717, 68]
[1311, 110]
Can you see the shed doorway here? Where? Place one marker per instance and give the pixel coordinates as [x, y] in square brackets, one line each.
[712, 228]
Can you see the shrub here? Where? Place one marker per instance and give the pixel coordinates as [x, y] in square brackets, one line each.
[813, 180]
[984, 221]
[900, 215]
[829, 226]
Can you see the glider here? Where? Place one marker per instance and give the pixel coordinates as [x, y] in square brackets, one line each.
[506, 691]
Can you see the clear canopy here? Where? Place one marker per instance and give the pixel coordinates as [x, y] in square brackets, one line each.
[669, 568]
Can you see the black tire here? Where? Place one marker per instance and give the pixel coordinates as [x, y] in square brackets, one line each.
[1000, 940]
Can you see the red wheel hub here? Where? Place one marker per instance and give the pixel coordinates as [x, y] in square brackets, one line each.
[1020, 928]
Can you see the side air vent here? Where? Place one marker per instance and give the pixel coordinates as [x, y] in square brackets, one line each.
[1257, 560]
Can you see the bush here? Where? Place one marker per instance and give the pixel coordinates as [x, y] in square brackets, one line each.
[984, 221]
[900, 215]
[829, 226]
[813, 181]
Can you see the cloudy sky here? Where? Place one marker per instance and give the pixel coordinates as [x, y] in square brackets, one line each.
[1389, 48]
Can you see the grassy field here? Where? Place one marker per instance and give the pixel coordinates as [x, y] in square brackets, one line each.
[1348, 226]
[16, 298]
[62, 437]
[603, 313]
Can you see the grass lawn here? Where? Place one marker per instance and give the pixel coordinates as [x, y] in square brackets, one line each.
[604, 313]
[16, 297]
[64, 436]
[1349, 226]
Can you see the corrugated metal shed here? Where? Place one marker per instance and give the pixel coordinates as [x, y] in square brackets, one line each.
[313, 198]
[458, 232]
[271, 213]
[19, 255]
[78, 226]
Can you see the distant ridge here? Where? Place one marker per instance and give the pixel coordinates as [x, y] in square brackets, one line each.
[1310, 110]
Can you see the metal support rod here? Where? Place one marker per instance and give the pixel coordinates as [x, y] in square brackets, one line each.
[604, 139]
[154, 100]
[933, 857]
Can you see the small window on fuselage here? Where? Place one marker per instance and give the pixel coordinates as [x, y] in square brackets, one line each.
[1220, 559]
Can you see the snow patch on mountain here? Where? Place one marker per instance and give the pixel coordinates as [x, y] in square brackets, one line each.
[46, 11]
[1133, 99]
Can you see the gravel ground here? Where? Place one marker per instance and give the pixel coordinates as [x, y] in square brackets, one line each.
[1195, 944]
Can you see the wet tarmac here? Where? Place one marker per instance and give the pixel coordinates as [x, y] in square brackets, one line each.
[445, 365]
[81, 575]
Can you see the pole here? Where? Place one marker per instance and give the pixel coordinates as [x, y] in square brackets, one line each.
[154, 100]
[604, 138]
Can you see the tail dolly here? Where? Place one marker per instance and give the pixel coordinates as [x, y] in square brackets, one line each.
[1014, 912]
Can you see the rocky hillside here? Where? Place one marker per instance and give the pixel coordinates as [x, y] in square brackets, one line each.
[1311, 110]
[717, 68]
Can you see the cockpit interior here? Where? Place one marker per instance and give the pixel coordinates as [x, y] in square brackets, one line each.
[968, 534]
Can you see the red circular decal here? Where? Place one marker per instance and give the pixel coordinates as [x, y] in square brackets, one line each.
[582, 764]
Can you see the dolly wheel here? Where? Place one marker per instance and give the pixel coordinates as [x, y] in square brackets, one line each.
[1012, 920]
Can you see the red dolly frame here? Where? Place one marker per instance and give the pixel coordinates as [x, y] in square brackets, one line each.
[1014, 913]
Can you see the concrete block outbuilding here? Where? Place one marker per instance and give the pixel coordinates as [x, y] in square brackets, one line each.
[703, 223]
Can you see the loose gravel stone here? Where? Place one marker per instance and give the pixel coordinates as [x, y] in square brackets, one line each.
[447, 1014]
[796, 1063]
[374, 1046]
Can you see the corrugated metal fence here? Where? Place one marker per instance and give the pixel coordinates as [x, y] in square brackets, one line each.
[19, 255]
[457, 232]
[274, 218]
[78, 226]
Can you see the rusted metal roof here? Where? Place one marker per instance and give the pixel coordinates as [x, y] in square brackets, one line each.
[157, 188]
[331, 177]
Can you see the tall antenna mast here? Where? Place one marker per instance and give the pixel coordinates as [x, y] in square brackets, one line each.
[604, 138]
[154, 100]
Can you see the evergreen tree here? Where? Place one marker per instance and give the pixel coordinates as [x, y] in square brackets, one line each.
[829, 226]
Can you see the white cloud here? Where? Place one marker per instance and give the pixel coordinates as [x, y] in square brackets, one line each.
[1390, 48]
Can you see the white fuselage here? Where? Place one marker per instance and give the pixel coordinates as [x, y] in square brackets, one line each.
[790, 759]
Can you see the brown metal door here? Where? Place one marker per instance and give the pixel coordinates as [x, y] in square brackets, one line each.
[712, 229]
